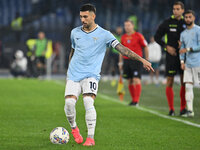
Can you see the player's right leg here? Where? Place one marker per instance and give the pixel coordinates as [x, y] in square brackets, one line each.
[189, 95]
[72, 92]
[171, 69]
[170, 94]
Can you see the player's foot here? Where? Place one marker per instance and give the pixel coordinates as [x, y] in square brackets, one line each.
[77, 136]
[183, 113]
[89, 142]
[134, 104]
[190, 113]
[171, 113]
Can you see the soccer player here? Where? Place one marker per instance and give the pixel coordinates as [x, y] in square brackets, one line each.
[132, 68]
[155, 54]
[171, 29]
[89, 43]
[190, 58]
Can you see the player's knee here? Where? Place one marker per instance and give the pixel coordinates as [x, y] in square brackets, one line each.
[88, 102]
[71, 96]
[69, 105]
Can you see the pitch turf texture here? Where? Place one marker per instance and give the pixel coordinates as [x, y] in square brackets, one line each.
[30, 109]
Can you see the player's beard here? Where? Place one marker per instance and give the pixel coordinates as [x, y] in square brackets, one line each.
[189, 23]
[86, 26]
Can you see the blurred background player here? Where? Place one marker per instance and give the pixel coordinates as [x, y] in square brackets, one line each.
[170, 29]
[89, 43]
[40, 51]
[132, 68]
[155, 55]
[19, 65]
[17, 26]
[190, 58]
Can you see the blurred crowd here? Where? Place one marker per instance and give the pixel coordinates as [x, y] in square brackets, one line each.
[22, 20]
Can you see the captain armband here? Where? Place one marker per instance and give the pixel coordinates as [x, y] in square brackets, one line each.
[114, 43]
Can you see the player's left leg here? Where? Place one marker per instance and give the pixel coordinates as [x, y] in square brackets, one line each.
[183, 110]
[137, 89]
[90, 88]
[189, 95]
[136, 68]
[90, 117]
[189, 98]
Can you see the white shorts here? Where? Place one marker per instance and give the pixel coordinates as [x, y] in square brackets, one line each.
[88, 85]
[192, 75]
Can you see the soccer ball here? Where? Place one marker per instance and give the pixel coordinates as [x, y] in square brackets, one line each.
[59, 135]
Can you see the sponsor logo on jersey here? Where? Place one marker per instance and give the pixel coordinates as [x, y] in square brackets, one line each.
[172, 29]
[95, 39]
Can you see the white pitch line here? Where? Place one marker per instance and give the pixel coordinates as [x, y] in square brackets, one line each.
[142, 108]
[150, 111]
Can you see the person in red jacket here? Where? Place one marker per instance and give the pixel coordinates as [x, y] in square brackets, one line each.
[135, 41]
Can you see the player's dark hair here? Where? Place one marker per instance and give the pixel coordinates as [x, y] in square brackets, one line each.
[190, 12]
[88, 7]
[128, 20]
[179, 3]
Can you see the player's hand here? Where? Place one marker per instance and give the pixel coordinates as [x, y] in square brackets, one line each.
[182, 66]
[171, 50]
[179, 44]
[182, 51]
[147, 65]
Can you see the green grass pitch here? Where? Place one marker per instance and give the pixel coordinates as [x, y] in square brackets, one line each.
[30, 109]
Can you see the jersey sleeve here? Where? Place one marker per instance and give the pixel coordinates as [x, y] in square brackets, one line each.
[182, 56]
[72, 40]
[197, 47]
[111, 40]
[143, 42]
[161, 31]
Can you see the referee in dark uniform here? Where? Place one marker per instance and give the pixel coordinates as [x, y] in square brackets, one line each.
[170, 29]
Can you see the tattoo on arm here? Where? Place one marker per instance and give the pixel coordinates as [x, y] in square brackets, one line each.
[127, 52]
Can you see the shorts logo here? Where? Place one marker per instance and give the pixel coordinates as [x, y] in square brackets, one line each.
[135, 73]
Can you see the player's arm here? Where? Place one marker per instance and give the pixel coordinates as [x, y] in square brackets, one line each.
[182, 55]
[71, 54]
[159, 34]
[120, 64]
[146, 52]
[127, 52]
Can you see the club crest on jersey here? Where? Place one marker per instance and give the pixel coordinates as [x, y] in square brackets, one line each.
[95, 39]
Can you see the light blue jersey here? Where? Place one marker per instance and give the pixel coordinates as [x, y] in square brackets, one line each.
[190, 38]
[89, 51]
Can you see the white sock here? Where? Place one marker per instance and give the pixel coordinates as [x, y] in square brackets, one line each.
[70, 111]
[90, 115]
[189, 96]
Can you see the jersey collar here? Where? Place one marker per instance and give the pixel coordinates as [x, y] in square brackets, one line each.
[173, 17]
[90, 31]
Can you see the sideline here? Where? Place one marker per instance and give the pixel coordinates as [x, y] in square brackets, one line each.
[140, 108]
[150, 111]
